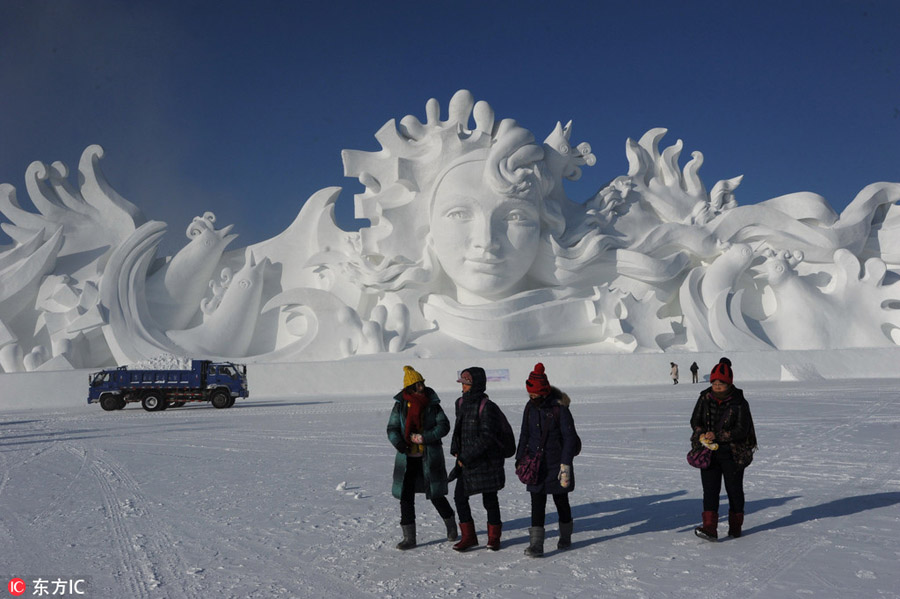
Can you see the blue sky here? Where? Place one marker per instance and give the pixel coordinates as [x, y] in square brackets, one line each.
[242, 108]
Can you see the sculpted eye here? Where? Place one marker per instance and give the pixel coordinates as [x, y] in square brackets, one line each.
[518, 216]
[457, 214]
[244, 283]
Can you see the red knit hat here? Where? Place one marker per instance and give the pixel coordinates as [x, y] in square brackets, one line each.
[722, 372]
[537, 381]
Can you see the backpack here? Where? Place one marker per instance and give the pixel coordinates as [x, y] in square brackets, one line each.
[506, 441]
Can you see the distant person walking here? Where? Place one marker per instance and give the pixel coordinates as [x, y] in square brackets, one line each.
[415, 428]
[479, 458]
[722, 422]
[548, 430]
[674, 373]
[694, 370]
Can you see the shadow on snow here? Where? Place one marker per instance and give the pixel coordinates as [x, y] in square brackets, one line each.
[845, 506]
[663, 512]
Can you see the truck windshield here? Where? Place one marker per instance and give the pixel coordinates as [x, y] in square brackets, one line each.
[101, 378]
[227, 370]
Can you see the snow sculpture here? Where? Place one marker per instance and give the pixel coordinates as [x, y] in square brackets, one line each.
[472, 241]
[175, 291]
[230, 324]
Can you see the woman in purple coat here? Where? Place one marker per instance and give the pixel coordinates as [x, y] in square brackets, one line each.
[547, 424]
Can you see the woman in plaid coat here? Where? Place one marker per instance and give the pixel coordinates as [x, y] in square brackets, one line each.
[479, 458]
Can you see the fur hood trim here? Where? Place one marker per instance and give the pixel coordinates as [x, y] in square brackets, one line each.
[561, 397]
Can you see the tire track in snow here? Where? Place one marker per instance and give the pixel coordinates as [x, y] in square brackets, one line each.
[155, 554]
[78, 452]
[777, 558]
[128, 557]
[268, 546]
[7, 468]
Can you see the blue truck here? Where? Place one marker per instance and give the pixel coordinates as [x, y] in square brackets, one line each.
[219, 383]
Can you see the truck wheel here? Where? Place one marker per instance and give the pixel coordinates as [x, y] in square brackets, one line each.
[220, 399]
[152, 402]
[120, 403]
[109, 402]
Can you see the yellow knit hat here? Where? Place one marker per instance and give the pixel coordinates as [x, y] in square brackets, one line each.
[411, 377]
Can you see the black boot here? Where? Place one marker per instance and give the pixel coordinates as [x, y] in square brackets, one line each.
[452, 532]
[565, 535]
[735, 522]
[536, 542]
[409, 537]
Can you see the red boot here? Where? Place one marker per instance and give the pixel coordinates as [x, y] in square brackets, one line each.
[735, 522]
[708, 529]
[468, 536]
[494, 536]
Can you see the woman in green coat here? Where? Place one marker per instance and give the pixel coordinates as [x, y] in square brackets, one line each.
[415, 428]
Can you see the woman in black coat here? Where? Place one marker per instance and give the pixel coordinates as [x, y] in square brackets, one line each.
[722, 422]
[479, 458]
[548, 421]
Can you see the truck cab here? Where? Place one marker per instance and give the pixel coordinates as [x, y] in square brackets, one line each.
[226, 374]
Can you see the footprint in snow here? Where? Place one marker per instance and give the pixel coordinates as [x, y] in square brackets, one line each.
[349, 491]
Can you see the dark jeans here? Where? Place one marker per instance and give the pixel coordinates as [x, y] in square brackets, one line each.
[722, 466]
[490, 501]
[408, 494]
[539, 508]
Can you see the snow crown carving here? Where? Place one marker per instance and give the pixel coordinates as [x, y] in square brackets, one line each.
[402, 178]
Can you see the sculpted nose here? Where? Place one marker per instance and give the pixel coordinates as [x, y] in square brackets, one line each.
[484, 236]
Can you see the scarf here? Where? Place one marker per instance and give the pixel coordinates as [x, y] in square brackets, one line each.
[415, 410]
[721, 397]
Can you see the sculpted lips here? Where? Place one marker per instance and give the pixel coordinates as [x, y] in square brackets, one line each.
[485, 264]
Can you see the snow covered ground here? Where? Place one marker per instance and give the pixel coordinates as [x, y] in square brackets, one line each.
[290, 497]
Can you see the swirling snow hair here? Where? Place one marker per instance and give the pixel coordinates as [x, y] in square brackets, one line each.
[402, 179]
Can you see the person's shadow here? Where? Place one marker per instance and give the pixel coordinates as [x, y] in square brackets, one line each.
[651, 513]
[833, 509]
[648, 513]
[663, 512]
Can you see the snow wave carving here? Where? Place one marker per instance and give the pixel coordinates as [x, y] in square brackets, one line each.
[472, 239]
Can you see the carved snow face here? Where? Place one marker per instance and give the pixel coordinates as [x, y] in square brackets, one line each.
[485, 241]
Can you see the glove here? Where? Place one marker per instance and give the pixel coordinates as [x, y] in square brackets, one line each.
[711, 445]
[708, 443]
[565, 475]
